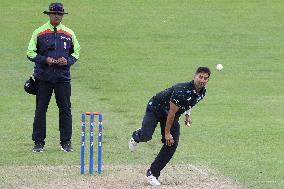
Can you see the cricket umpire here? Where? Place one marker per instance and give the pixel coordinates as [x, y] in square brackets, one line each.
[165, 108]
[54, 49]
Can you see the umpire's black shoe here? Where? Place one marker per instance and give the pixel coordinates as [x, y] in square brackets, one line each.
[38, 147]
[66, 146]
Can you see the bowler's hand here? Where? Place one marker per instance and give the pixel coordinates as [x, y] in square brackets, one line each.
[169, 139]
[62, 61]
[51, 61]
[187, 120]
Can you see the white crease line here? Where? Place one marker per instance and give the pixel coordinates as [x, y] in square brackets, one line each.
[270, 181]
[204, 173]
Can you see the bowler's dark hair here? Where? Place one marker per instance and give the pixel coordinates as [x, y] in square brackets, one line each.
[203, 70]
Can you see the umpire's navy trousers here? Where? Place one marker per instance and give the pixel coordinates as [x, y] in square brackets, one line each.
[144, 134]
[62, 95]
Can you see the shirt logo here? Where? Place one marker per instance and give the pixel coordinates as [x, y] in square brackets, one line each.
[188, 92]
[66, 38]
[64, 45]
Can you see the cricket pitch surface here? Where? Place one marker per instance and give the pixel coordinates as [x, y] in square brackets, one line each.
[113, 177]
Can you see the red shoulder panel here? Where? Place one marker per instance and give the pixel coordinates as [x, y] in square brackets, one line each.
[44, 32]
[65, 32]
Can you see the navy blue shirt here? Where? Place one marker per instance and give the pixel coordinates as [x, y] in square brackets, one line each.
[58, 42]
[183, 95]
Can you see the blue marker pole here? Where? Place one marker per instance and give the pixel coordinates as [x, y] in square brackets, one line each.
[100, 137]
[91, 144]
[83, 143]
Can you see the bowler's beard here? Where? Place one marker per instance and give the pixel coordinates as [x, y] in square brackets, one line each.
[198, 85]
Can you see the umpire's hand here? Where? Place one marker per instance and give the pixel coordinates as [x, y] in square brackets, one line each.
[62, 61]
[51, 61]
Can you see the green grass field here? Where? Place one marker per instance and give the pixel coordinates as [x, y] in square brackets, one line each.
[131, 50]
